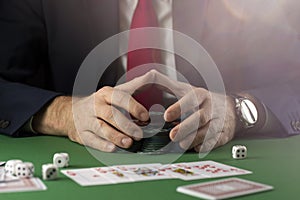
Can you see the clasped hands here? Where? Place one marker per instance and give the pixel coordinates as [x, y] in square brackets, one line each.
[97, 121]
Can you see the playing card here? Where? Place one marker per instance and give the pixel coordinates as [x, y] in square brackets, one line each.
[86, 177]
[113, 175]
[202, 170]
[211, 169]
[143, 172]
[20, 185]
[223, 189]
[180, 170]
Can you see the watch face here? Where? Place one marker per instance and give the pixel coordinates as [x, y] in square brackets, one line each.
[249, 111]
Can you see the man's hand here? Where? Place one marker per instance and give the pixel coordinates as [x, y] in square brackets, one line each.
[93, 121]
[97, 121]
[211, 120]
[211, 124]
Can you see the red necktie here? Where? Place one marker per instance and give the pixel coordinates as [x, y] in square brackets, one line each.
[144, 16]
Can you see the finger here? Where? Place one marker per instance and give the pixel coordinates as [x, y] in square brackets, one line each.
[214, 140]
[112, 117]
[169, 85]
[202, 138]
[211, 132]
[197, 148]
[136, 83]
[222, 138]
[196, 138]
[123, 100]
[186, 104]
[187, 142]
[209, 145]
[161, 81]
[215, 136]
[90, 139]
[189, 125]
[109, 133]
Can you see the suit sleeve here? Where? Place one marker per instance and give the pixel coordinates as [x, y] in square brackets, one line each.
[23, 50]
[282, 102]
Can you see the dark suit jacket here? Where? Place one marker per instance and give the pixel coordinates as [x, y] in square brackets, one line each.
[43, 43]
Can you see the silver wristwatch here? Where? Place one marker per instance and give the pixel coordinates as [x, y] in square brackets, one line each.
[246, 111]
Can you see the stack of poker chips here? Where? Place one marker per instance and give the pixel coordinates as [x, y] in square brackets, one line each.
[156, 138]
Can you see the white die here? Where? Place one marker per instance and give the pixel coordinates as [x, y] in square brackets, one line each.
[239, 152]
[61, 159]
[49, 171]
[10, 166]
[24, 170]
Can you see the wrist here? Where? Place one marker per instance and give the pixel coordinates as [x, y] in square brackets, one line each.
[53, 117]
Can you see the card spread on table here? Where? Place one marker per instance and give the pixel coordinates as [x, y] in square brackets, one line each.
[156, 171]
[223, 189]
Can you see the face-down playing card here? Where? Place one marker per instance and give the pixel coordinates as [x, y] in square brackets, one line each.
[222, 189]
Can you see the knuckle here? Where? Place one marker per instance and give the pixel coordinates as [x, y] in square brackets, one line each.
[135, 108]
[184, 146]
[99, 126]
[201, 93]
[112, 137]
[108, 115]
[203, 117]
[200, 90]
[129, 127]
[182, 129]
[106, 89]
[121, 98]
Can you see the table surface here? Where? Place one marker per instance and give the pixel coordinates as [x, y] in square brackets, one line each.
[273, 161]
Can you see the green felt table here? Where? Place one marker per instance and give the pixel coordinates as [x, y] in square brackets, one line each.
[273, 161]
